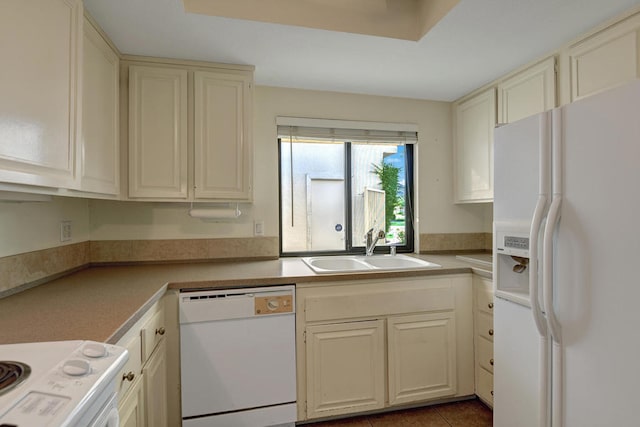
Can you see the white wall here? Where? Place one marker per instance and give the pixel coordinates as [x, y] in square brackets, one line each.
[437, 212]
[32, 226]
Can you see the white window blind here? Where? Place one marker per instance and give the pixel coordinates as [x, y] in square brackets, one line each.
[339, 130]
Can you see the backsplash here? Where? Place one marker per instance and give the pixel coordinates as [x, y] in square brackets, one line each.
[20, 272]
[106, 251]
[455, 242]
[23, 271]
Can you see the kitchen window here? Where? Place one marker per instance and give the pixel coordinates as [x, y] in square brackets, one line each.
[336, 183]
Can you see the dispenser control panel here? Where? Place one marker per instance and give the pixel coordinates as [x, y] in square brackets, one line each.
[512, 239]
[516, 242]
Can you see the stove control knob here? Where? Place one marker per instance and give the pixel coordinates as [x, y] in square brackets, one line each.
[94, 350]
[76, 367]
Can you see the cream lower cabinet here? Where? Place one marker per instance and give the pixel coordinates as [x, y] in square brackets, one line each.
[345, 368]
[422, 357]
[475, 119]
[370, 345]
[131, 408]
[483, 338]
[142, 394]
[41, 67]
[154, 374]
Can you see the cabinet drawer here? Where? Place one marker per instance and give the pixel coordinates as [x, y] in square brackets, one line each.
[485, 354]
[133, 368]
[151, 334]
[484, 387]
[379, 303]
[484, 300]
[484, 328]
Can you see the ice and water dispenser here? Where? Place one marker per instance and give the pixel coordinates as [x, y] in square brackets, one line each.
[512, 261]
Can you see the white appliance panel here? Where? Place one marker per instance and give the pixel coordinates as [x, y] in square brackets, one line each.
[238, 362]
[595, 375]
[597, 243]
[516, 151]
[273, 416]
[234, 364]
[516, 370]
[71, 383]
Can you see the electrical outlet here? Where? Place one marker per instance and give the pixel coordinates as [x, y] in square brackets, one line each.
[65, 231]
[258, 228]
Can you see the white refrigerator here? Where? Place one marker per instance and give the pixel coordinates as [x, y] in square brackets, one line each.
[567, 265]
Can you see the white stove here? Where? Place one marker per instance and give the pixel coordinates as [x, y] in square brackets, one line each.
[70, 383]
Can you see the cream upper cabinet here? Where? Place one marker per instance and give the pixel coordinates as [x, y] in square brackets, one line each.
[606, 59]
[527, 93]
[40, 91]
[422, 357]
[222, 135]
[473, 148]
[345, 368]
[157, 132]
[100, 165]
[189, 132]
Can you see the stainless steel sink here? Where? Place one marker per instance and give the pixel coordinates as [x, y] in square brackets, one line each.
[356, 263]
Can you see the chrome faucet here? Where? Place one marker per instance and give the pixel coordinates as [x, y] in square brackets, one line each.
[371, 241]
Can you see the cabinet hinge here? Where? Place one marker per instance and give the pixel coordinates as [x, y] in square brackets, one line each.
[304, 337]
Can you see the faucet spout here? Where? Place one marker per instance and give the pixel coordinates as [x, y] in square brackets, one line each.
[371, 241]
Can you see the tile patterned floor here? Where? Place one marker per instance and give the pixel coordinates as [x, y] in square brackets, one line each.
[471, 413]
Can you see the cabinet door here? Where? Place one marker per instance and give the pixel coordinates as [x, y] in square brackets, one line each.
[100, 146]
[345, 368]
[40, 42]
[473, 148]
[131, 406]
[222, 136]
[422, 357]
[157, 132]
[605, 60]
[527, 93]
[154, 373]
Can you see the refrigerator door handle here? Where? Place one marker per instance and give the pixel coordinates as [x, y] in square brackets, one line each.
[547, 268]
[534, 286]
[552, 222]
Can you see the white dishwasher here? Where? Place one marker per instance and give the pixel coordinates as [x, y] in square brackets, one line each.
[237, 357]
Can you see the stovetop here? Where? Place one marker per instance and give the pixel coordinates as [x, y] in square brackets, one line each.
[66, 378]
[12, 373]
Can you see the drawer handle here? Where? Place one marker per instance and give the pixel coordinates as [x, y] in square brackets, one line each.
[491, 362]
[128, 377]
[491, 332]
[160, 331]
[491, 392]
[490, 305]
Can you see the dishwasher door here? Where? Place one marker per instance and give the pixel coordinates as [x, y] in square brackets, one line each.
[237, 351]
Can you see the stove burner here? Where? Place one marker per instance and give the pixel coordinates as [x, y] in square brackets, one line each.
[11, 374]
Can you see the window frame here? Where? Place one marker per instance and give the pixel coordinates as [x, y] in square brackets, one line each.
[350, 249]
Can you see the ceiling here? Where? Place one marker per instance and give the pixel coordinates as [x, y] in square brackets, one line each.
[474, 43]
